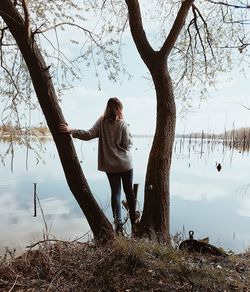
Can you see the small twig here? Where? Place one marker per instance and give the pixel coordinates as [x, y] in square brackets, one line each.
[91, 34]
[229, 5]
[62, 54]
[2, 34]
[34, 200]
[199, 35]
[14, 284]
[82, 236]
[44, 241]
[206, 29]
[248, 108]
[44, 220]
[57, 274]
[104, 257]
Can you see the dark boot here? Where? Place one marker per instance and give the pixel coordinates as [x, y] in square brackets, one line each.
[118, 227]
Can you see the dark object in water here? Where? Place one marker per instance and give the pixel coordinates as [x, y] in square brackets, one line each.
[192, 245]
[218, 166]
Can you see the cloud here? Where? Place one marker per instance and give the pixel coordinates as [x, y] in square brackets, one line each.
[198, 192]
[216, 114]
[82, 107]
[23, 229]
[55, 206]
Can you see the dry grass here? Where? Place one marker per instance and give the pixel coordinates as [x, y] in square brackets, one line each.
[124, 265]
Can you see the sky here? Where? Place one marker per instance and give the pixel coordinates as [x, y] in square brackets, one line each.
[84, 103]
[224, 107]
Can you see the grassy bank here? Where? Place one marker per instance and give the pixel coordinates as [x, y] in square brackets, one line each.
[125, 265]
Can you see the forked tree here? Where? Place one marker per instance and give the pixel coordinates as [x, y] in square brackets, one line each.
[155, 216]
[195, 49]
[189, 52]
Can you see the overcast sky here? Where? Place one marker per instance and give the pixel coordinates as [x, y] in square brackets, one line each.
[223, 108]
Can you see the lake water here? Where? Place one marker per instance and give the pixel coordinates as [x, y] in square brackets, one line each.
[211, 203]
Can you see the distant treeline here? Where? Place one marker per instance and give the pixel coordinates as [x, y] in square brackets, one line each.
[239, 134]
[15, 130]
[235, 134]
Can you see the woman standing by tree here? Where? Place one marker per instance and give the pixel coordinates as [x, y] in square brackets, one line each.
[114, 156]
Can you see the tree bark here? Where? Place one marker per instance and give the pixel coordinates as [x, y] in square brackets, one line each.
[42, 82]
[155, 217]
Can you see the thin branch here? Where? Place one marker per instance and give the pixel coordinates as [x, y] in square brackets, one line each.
[66, 23]
[44, 241]
[120, 42]
[242, 21]
[190, 47]
[2, 34]
[206, 30]
[240, 47]
[103, 5]
[58, 54]
[61, 53]
[248, 108]
[199, 36]
[13, 286]
[95, 38]
[10, 76]
[243, 6]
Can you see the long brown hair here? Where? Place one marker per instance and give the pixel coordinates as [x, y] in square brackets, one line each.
[113, 111]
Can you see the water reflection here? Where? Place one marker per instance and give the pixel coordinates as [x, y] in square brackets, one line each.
[212, 203]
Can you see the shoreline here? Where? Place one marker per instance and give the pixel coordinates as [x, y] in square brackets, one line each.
[122, 265]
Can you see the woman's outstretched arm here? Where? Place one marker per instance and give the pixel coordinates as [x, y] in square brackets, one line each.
[82, 134]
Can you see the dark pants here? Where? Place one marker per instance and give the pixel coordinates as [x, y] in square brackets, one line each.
[115, 180]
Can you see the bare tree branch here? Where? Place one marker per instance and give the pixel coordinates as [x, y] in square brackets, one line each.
[244, 6]
[247, 107]
[176, 28]
[240, 47]
[137, 30]
[95, 38]
[199, 36]
[206, 30]
[2, 34]
[60, 53]
[66, 23]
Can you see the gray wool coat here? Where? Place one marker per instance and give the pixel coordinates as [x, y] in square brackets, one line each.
[114, 144]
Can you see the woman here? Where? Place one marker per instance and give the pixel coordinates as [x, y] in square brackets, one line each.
[114, 156]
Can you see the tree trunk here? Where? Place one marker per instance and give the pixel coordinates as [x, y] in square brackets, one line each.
[47, 97]
[155, 217]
